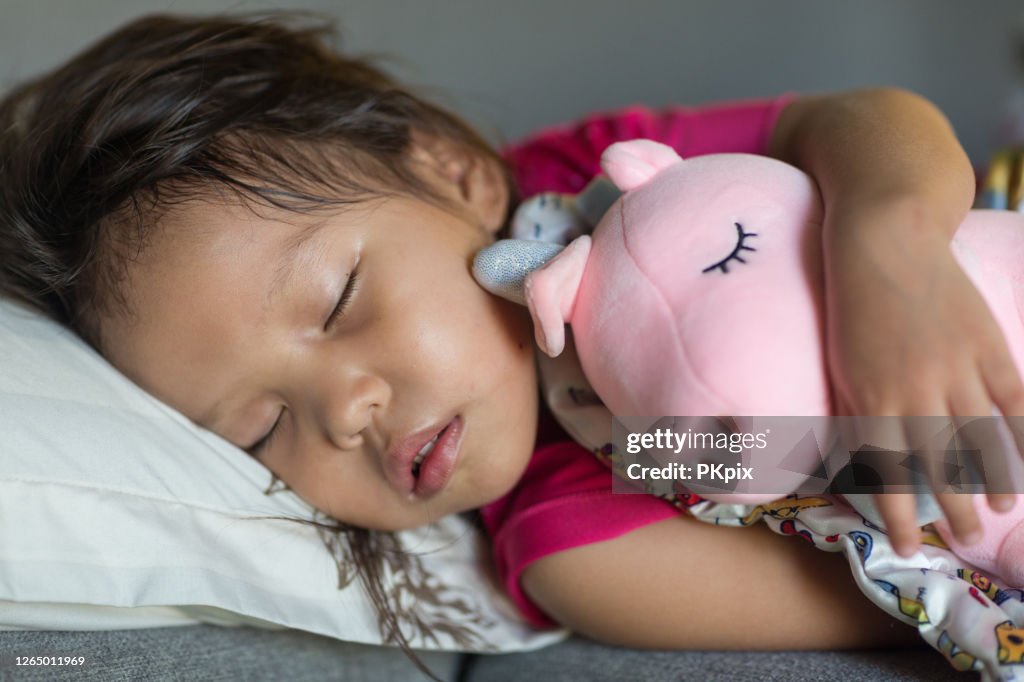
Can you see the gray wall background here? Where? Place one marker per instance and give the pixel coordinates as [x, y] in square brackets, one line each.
[513, 66]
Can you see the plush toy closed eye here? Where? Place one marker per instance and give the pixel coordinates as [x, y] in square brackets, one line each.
[700, 292]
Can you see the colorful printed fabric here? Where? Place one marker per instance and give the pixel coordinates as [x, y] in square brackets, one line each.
[971, 620]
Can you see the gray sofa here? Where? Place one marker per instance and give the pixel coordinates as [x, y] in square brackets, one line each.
[208, 652]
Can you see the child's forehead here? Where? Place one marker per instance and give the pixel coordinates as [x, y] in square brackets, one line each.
[206, 227]
[210, 216]
[204, 248]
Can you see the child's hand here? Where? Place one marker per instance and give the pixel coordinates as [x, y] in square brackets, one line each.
[910, 335]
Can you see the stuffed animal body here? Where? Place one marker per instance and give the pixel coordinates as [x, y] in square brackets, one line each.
[700, 292]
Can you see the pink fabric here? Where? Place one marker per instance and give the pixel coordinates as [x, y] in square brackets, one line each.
[565, 158]
[564, 499]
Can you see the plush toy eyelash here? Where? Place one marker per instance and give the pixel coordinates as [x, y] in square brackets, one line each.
[735, 255]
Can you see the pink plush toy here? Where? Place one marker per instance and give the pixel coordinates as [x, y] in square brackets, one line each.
[700, 292]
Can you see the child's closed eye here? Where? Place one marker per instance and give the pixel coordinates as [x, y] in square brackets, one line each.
[342, 305]
[259, 446]
[343, 301]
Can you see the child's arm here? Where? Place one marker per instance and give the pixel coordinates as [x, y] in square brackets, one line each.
[685, 584]
[908, 334]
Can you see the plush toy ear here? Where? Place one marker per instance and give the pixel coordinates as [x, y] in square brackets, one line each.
[551, 294]
[631, 164]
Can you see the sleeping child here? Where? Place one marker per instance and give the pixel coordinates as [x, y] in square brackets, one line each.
[275, 239]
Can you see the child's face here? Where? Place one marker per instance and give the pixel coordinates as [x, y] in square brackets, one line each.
[230, 329]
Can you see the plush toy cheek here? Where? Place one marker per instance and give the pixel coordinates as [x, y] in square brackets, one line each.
[747, 339]
[628, 341]
[763, 352]
[988, 247]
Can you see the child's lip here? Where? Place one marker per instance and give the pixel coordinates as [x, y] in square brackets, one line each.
[398, 461]
[436, 469]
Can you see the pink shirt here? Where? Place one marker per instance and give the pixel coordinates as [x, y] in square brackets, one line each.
[564, 498]
[565, 158]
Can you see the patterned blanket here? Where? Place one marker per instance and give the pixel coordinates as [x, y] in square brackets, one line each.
[971, 620]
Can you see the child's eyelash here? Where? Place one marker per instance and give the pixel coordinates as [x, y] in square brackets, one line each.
[343, 301]
[339, 309]
[741, 236]
[262, 443]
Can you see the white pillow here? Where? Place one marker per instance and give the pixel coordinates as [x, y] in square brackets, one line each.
[116, 511]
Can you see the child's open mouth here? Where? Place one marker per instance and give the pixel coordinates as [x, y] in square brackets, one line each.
[433, 464]
[422, 454]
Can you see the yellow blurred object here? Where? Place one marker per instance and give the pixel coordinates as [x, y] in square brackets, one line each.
[1004, 184]
[1003, 187]
[1015, 188]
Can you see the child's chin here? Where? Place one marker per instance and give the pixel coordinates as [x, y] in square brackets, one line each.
[501, 482]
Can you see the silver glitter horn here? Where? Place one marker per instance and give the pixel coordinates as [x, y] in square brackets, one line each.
[502, 267]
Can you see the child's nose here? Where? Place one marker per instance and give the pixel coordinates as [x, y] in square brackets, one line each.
[351, 407]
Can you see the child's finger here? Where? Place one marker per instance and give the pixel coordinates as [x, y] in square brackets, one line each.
[928, 440]
[983, 456]
[956, 508]
[1004, 386]
[981, 452]
[879, 458]
[1015, 425]
[1002, 502]
[874, 434]
[899, 512]
[939, 449]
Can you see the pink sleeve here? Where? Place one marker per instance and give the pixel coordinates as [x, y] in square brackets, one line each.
[565, 158]
[564, 500]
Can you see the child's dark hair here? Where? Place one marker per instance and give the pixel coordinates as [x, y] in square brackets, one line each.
[170, 108]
